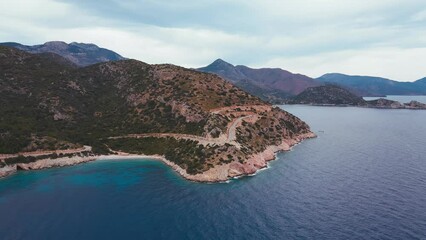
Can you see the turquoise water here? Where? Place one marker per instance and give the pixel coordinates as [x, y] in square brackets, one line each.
[399, 98]
[364, 177]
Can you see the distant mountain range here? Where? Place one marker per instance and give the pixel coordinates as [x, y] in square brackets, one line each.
[274, 85]
[270, 84]
[375, 86]
[277, 85]
[81, 54]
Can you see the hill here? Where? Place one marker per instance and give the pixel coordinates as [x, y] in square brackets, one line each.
[81, 54]
[327, 95]
[421, 82]
[374, 86]
[203, 126]
[333, 95]
[270, 84]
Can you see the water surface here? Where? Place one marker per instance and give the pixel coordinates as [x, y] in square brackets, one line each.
[364, 177]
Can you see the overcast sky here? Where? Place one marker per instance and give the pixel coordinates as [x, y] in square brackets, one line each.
[362, 37]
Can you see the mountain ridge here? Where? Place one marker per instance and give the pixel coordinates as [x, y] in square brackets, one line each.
[374, 86]
[81, 54]
[270, 84]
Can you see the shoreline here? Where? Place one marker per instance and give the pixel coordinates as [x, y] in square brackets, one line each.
[403, 107]
[220, 173]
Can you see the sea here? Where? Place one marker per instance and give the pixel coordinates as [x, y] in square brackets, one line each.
[363, 177]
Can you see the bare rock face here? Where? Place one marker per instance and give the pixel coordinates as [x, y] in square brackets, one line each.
[390, 104]
[7, 171]
[49, 163]
[415, 105]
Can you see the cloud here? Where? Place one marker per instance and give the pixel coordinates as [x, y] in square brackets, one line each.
[308, 36]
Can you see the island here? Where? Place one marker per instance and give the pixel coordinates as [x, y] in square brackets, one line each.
[334, 95]
[55, 113]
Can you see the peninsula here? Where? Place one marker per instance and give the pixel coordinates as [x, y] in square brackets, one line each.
[55, 113]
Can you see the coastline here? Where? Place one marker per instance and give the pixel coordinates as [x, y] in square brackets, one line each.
[66, 161]
[219, 173]
[403, 106]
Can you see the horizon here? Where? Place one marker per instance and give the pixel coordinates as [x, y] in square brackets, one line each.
[380, 39]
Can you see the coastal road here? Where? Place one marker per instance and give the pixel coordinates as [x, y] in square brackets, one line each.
[231, 132]
[41, 153]
[229, 138]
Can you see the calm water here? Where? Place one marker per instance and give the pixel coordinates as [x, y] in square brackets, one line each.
[364, 177]
[400, 98]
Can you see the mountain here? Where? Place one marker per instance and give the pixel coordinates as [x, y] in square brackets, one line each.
[421, 81]
[201, 125]
[270, 84]
[374, 86]
[81, 54]
[327, 95]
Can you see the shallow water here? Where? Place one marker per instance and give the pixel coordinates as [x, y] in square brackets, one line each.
[364, 177]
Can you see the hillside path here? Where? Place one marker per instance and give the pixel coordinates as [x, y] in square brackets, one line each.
[229, 138]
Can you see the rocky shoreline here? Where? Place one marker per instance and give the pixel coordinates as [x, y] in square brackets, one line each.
[219, 173]
[256, 162]
[44, 163]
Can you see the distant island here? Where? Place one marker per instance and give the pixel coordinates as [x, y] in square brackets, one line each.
[55, 112]
[333, 95]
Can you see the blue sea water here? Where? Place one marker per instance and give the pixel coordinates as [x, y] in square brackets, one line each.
[364, 177]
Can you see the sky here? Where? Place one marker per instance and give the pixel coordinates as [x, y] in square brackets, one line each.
[385, 38]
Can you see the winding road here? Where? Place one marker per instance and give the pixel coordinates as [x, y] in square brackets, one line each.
[229, 138]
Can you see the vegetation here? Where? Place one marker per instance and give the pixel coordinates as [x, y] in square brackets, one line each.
[48, 103]
[272, 128]
[47, 96]
[327, 95]
[29, 159]
[186, 153]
